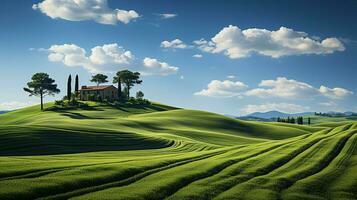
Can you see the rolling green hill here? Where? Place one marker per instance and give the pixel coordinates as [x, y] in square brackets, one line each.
[162, 152]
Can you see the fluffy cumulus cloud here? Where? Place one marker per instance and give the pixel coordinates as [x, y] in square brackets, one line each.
[224, 89]
[13, 105]
[106, 58]
[80, 10]
[167, 15]
[237, 43]
[283, 87]
[154, 67]
[174, 44]
[334, 93]
[288, 88]
[282, 107]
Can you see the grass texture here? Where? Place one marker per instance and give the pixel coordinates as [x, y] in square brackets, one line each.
[162, 152]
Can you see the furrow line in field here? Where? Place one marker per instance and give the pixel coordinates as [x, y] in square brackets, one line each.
[127, 181]
[329, 157]
[322, 168]
[39, 173]
[185, 182]
[315, 144]
[272, 166]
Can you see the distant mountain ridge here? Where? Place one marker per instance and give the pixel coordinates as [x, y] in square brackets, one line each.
[276, 114]
[4, 111]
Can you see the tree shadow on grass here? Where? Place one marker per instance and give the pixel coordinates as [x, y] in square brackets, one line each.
[87, 108]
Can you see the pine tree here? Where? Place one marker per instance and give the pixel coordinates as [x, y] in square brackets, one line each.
[41, 85]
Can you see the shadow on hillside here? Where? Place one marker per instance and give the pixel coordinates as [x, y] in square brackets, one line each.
[25, 142]
[87, 108]
[79, 116]
[147, 107]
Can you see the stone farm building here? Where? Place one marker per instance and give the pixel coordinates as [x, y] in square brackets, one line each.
[99, 93]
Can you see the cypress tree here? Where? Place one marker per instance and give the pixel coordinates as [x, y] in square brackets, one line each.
[300, 120]
[76, 85]
[119, 89]
[69, 87]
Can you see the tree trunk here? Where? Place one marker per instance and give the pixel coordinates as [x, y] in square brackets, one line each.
[41, 101]
[128, 91]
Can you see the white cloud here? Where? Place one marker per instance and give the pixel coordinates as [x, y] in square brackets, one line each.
[237, 43]
[155, 67]
[203, 45]
[182, 77]
[282, 107]
[110, 54]
[174, 44]
[13, 105]
[167, 15]
[231, 76]
[283, 87]
[289, 88]
[106, 58]
[126, 16]
[334, 93]
[197, 56]
[80, 10]
[224, 88]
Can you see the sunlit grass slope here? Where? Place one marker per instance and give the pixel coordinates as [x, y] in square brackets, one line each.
[161, 152]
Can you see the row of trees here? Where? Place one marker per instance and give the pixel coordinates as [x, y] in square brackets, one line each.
[69, 88]
[292, 120]
[126, 78]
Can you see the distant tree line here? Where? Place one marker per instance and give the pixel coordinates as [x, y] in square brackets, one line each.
[333, 114]
[292, 120]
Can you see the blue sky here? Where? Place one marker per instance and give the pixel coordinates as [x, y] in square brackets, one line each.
[234, 57]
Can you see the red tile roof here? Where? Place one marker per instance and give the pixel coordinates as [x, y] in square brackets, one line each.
[101, 87]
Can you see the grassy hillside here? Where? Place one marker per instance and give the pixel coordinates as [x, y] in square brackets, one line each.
[158, 152]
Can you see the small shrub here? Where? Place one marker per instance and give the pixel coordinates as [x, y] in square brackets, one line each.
[59, 103]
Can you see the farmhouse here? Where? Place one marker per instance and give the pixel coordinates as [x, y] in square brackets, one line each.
[98, 93]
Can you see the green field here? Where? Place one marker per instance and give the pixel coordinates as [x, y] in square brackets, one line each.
[161, 152]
